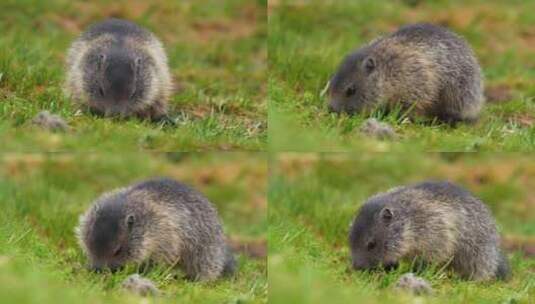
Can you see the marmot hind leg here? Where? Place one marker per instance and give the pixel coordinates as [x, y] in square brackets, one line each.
[503, 272]
[460, 102]
[479, 265]
[230, 263]
[204, 265]
[157, 112]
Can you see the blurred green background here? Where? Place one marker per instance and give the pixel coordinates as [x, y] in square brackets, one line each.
[42, 195]
[217, 54]
[308, 40]
[314, 196]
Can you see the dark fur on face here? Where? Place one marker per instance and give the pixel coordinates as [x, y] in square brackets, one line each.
[353, 88]
[373, 235]
[115, 80]
[111, 234]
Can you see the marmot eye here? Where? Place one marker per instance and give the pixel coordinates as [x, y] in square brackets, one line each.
[350, 91]
[370, 245]
[101, 91]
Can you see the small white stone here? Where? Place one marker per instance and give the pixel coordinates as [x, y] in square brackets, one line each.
[50, 122]
[416, 285]
[140, 286]
[380, 130]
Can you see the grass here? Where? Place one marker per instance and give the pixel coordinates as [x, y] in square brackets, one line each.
[217, 57]
[41, 197]
[308, 39]
[313, 197]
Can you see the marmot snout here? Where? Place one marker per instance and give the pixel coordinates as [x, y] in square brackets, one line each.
[117, 68]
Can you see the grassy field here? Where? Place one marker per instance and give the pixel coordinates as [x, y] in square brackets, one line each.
[313, 198]
[41, 197]
[308, 39]
[217, 55]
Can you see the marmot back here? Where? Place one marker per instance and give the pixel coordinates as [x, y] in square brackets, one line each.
[422, 68]
[436, 221]
[117, 68]
[158, 220]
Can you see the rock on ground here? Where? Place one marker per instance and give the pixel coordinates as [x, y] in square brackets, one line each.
[50, 122]
[140, 286]
[380, 130]
[416, 285]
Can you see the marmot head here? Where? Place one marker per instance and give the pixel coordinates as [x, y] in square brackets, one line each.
[355, 87]
[116, 79]
[375, 237]
[112, 231]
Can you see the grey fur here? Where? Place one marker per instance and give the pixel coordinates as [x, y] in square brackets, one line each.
[171, 224]
[437, 222]
[117, 68]
[423, 68]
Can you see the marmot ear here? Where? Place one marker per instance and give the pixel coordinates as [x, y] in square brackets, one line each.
[369, 64]
[101, 59]
[137, 64]
[387, 214]
[130, 222]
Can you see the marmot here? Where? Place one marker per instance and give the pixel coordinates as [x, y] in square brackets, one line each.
[436, 222]
[159, 220]
[117, 68]
[424, 69]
